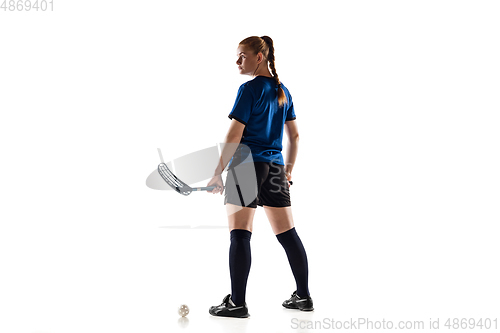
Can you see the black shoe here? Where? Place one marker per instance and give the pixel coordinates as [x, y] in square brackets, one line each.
[299, 303]
[229, 309]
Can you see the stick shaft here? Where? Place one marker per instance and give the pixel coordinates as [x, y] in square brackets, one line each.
[209, 188]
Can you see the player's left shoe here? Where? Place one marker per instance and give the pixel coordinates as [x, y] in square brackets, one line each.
[229, 309]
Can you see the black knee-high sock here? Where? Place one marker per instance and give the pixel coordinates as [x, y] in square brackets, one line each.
[297, 258]
[239, 264]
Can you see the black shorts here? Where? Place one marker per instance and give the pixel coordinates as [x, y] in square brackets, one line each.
[255, 184]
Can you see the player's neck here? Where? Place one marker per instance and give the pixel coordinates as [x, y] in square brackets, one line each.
[263, 72]
[266, 75]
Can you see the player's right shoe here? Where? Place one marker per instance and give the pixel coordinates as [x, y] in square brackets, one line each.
[299, 303]
[229, 309]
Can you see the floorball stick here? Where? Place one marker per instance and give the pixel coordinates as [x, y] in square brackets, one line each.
[175, 182]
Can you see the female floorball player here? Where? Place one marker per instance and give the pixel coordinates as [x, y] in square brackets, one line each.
[262, 109]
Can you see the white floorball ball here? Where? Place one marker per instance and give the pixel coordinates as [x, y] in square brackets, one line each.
[183, 310]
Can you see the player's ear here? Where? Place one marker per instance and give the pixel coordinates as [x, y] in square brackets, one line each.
[260, 57]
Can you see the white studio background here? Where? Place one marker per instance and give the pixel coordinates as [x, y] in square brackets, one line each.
[396, 182]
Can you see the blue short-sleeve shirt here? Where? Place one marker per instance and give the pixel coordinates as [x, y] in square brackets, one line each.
[257, 107]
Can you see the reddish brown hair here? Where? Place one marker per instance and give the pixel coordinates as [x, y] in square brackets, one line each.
[264, 44]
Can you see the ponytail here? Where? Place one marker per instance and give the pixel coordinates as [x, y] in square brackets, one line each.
[270, 56]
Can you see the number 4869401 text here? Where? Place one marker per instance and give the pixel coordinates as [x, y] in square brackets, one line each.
[27, 5]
